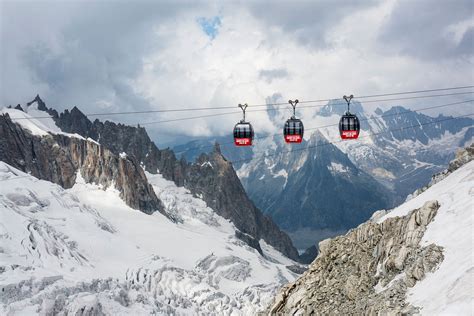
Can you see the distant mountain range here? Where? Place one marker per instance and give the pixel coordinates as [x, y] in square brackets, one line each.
[328, 186]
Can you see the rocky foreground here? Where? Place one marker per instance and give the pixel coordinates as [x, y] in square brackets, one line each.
[374, 268]
[352, 271]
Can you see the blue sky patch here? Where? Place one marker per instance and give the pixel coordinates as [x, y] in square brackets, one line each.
[210, 26]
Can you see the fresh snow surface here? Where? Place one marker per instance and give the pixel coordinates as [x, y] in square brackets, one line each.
[448, 290]
[84, 247]
[337, 167]
[42, 125]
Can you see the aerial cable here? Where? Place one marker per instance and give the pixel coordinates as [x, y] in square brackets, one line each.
[412, 92]
[373, 95]
[336, 124]
[339, 141]
[234, 112]
[276, 104]
[323, 144]
[307, 106]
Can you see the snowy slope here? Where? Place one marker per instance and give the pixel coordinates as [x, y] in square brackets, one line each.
[84, 249]
[38, 122]
[447, 291]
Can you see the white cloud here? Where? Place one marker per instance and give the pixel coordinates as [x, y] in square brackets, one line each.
[139, 60]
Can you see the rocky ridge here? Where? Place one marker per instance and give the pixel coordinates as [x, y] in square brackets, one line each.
[213, 179]
[59, 158]
[463, 156]
[367, 271]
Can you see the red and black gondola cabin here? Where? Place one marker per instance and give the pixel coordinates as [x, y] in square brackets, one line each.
[349, 126]
[293, 130]
[243, 134]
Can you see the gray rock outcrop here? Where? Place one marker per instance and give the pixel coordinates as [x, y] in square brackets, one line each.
[213, 179]
[365, 272]
[58, 158]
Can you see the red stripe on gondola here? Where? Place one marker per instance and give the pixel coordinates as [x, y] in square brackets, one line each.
[293, 138]
[349, 134]
[243, 141]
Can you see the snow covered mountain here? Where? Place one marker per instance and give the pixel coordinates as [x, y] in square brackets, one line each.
[88, 231]
[414, 259]
[401, 158]
[303, 191]
[212, 178]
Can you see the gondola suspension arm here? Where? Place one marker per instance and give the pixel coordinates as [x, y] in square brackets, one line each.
[348, 100]
[293, 105]
[243, 107]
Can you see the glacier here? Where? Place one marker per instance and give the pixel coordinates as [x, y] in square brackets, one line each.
[83, 250]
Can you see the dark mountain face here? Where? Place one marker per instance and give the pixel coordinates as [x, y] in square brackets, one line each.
[192, 150]
[430, 130]
[315, 192]
[330, 191]
[211, 178]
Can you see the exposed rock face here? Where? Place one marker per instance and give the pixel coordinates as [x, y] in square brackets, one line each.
[58, 158]
[367, 271]
[309, 255]
[123, 138]
[213, 179]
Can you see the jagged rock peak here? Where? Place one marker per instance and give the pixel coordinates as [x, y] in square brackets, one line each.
[41, 104]
[317, 138]
[75, 111]
[217, 148]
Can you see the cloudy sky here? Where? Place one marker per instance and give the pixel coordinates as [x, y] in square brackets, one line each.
[110, 56]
